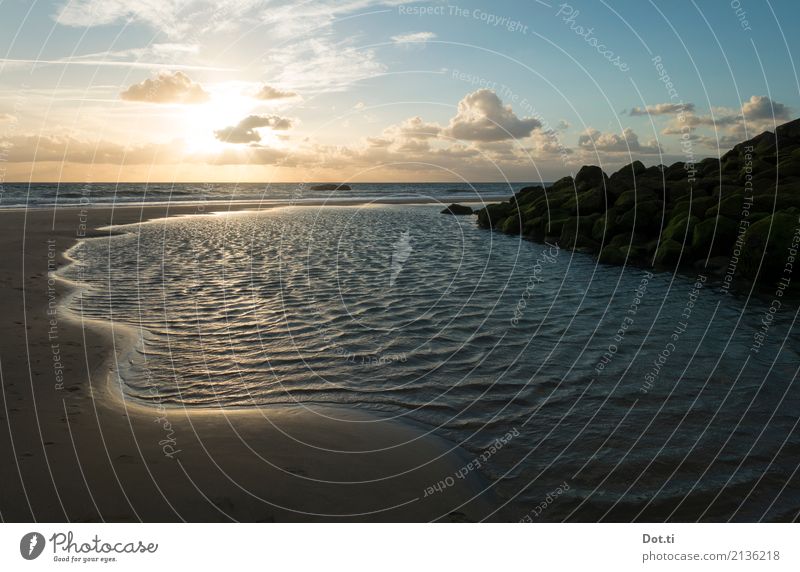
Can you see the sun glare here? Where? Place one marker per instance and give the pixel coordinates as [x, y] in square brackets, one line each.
[225, 108]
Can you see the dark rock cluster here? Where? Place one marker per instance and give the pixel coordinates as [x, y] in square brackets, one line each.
[331, 187]
[737, 212]
[456, 209]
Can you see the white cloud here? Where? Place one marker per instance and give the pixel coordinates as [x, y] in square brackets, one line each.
[413, 128]
[483, 117]
[662, 109]
[319, 65]
[175, 18]
[181, 18]
[627, 141]
[761, 107]
[413, 38]
[245, 130]
[268, 93]
[166, 87]
[759, 113]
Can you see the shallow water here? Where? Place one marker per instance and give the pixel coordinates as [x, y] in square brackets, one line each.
[475, 335]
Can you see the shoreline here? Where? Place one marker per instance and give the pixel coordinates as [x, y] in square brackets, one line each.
[76, 449]
[248, 204]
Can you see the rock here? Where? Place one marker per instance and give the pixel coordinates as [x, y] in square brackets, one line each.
[629, 198]
[606, 225]
[629, 173]
[730, 207]
[696, 206]
[612, 255]
[491, 215]
[511, 225]
[788, 132]
[716, 266]
[680, 228]
[708, 167]
[563, 183]
[331, 187]
[577, 230]
[534, 190]
[456, 209]
[660, 214]
[677, 190]
[721, 230]
[676, 172]
[588, 202]
[646, 215]
[669, 252]
[589, 176]
[770, 237]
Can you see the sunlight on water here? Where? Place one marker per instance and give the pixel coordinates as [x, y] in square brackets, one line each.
[599, 372]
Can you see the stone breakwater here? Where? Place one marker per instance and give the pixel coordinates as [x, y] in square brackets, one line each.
[733, 217]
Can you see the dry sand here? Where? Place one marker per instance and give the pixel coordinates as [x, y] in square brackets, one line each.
[73, 449]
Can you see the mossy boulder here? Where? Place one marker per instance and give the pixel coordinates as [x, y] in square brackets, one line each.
[563, 183]
[643, 217]
[511, 225]
[669, 252]
[587, 202]
[612, 255]
[770, 237]
[695, 206]
[713, 236]
[606, 225]
[676, 191]
[630, 198]
[456, 209]
[680, 227]
[526, 194]
[577, 231]
[588, 177]
[676, 172]
[490, 216]
[628, 174]
[730, 206]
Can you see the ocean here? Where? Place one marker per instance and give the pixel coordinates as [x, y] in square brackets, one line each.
[16, 195]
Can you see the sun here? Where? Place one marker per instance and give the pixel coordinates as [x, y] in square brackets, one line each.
[226, 107]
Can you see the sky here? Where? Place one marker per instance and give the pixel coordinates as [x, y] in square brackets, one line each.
[368, 90]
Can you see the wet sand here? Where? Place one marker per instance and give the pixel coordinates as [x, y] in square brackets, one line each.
[72, 448]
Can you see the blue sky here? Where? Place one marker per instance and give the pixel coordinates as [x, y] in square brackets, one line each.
[375, 90]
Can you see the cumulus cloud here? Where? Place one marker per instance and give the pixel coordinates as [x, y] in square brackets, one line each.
[245, 130]
[413, 128]
[760, 107]
[759, 113]
[483, 117]
[166, 87]
[627, 141]
[413, 38]
[662, 109]
[268, 92]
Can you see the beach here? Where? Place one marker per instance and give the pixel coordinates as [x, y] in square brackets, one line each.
[74, 449]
